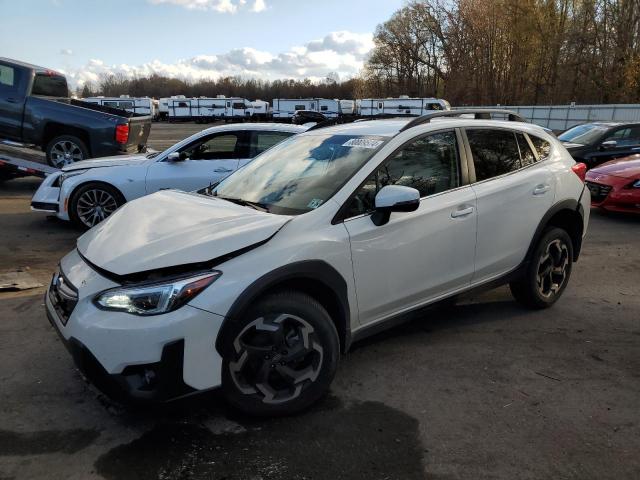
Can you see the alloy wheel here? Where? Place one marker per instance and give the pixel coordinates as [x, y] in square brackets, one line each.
[277, 357]
[552, 268]
[65, 152]
[94, 206]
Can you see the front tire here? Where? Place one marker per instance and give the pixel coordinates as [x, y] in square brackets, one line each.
[548, 272]
[64, 150]
[282, 357]
[92, 203]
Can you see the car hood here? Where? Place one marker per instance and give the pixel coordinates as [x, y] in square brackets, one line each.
[117, 161]
[171, 228]
[628, 167]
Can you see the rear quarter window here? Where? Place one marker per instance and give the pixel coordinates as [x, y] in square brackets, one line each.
[543, 148]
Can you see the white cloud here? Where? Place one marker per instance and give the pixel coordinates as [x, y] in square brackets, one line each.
[221, 6]
[259, 6]
[66, 51]
[341, 52]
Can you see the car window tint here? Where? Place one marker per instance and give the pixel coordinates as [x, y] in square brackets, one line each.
[7, 76]
[526, 155]
[495, 152]
[428, 164]
[542, 147]
[264, 140]
[218, 147]
[625, 136]
[49, 85]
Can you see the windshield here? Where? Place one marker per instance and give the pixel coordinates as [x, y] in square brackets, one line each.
[299, 174]
[583, 134]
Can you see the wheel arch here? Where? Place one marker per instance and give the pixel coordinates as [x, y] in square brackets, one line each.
[53, 129]
[568, 215]
[75, 189]
[315, 278]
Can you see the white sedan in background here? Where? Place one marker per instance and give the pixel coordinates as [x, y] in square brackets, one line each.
[87, 192]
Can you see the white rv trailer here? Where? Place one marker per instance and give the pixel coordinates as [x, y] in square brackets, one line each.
[259, 109]
[163, 106]
[141, 105]
[347, 107]
[181, 109]
[404, 105]
[221, 107]
[284, 108]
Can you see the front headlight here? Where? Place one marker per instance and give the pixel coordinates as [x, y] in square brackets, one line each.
[155, 298]
[636, 184]
[69, 174]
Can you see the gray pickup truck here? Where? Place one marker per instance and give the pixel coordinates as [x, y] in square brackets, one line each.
[36, 111]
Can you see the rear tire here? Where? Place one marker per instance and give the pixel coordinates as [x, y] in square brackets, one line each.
[281, 356]
[92, 202]
[64, 150]
[548, 272]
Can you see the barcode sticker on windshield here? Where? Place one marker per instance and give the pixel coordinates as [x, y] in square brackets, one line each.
[363, 143]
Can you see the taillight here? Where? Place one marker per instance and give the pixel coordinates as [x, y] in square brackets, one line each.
[580, 169]
[122, 133]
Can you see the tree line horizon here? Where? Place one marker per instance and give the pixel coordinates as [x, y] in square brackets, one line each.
[469, 52]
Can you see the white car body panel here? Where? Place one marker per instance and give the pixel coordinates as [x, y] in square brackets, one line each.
[434, 254]
[415, 259]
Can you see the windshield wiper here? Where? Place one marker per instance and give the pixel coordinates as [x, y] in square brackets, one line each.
[246, 203]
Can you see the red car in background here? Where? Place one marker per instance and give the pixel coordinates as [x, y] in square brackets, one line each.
[615, 185]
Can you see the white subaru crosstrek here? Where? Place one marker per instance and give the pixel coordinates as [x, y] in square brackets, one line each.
[87, 192]
[330, 235]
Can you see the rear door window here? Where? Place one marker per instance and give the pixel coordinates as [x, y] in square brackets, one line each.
[49, 85]
[495, 152]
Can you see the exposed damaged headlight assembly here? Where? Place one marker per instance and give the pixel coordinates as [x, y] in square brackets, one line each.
[155, 298]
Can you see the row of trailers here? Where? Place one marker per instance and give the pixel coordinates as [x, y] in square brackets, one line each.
[206, 109]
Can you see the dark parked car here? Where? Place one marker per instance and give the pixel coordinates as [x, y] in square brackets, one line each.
[35, 111]
[596, 143]
[306, 116]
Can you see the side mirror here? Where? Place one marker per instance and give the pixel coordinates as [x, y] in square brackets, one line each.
[608, 145]
[175, 157]
[394, 198]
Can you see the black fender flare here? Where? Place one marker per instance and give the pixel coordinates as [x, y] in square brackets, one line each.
[569, 204]
[314, 270]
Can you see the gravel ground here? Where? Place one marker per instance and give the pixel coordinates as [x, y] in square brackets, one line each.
[481, 390]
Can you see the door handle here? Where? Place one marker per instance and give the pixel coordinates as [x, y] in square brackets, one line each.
[541, 189]
[462, 212]
[223, 170]
[12, 100]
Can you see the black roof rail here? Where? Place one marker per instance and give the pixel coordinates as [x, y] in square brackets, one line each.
[478, 113]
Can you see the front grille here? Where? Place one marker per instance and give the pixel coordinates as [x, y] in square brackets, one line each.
[63, 296]
[598, 191]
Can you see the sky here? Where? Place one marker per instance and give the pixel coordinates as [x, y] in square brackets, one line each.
[193, 39]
